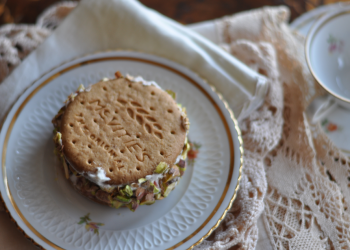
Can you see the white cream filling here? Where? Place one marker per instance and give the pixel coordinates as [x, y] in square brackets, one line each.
[179, 158]
[143, 81]
[99, 178]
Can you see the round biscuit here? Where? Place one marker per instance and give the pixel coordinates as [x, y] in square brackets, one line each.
[124, 127]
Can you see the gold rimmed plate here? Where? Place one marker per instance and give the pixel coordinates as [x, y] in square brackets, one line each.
[47, 209]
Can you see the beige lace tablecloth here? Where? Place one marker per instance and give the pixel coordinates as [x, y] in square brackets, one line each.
[293, 178]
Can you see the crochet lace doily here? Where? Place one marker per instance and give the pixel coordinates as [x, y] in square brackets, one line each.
[293, 175]
[307, 195]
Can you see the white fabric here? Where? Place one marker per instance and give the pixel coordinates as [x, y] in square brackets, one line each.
[126, 24]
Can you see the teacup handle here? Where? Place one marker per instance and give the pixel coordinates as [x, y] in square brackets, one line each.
[324, 109]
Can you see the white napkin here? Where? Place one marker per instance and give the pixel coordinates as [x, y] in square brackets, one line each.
[126, 24]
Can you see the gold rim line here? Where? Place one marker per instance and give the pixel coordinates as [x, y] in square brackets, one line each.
[318, 16]
[302, 24]
[170, 69]
[307, 51]
[345, 150]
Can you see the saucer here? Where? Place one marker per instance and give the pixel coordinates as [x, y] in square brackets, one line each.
[335, 123]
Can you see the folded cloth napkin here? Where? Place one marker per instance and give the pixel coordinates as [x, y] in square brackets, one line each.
[116, 24]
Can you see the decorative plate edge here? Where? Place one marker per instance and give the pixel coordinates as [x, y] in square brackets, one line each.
[239, 135]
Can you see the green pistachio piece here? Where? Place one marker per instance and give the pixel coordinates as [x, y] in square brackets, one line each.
[127, 191]
[162, 166]
[171, 93]
[114, 203]
[182, 171]
[81, 88]
[58, 137]
[187, 148]
[159, 197]
[172, 173]
[147, 202]
[148, 199]
[133, 205]
[169, 188]
[123, 199]
[142, 180]
[179, 105]
[155, 189]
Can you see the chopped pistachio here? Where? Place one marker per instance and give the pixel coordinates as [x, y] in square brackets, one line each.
[162, 166]
[155, 189]
[171, 93]
[127, 191]
[182, 171]
[148, 199]
[123, 199]
[81, 88]
[142, 180]
[187, 148]
[114, 203]
[140, 193]
[133, 205]
[58, 138]
[181, 164]
[173, 173]
[147, 202]
[169, 188]
[159, 197]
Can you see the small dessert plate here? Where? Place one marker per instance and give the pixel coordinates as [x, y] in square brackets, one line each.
[50, 212]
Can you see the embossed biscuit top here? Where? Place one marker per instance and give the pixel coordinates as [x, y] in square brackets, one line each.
[124, 127]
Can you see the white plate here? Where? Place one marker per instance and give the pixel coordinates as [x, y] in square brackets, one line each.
[336, 123]
[48, 210]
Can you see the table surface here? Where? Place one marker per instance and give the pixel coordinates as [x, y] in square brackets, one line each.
[183, 11]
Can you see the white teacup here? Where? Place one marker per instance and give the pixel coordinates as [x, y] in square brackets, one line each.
[327, 50]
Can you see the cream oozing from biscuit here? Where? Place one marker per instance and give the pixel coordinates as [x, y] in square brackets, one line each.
[99, 178]
[143, 81]
[179, 157]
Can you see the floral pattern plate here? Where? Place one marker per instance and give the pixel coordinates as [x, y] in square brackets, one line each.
[50, 212]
